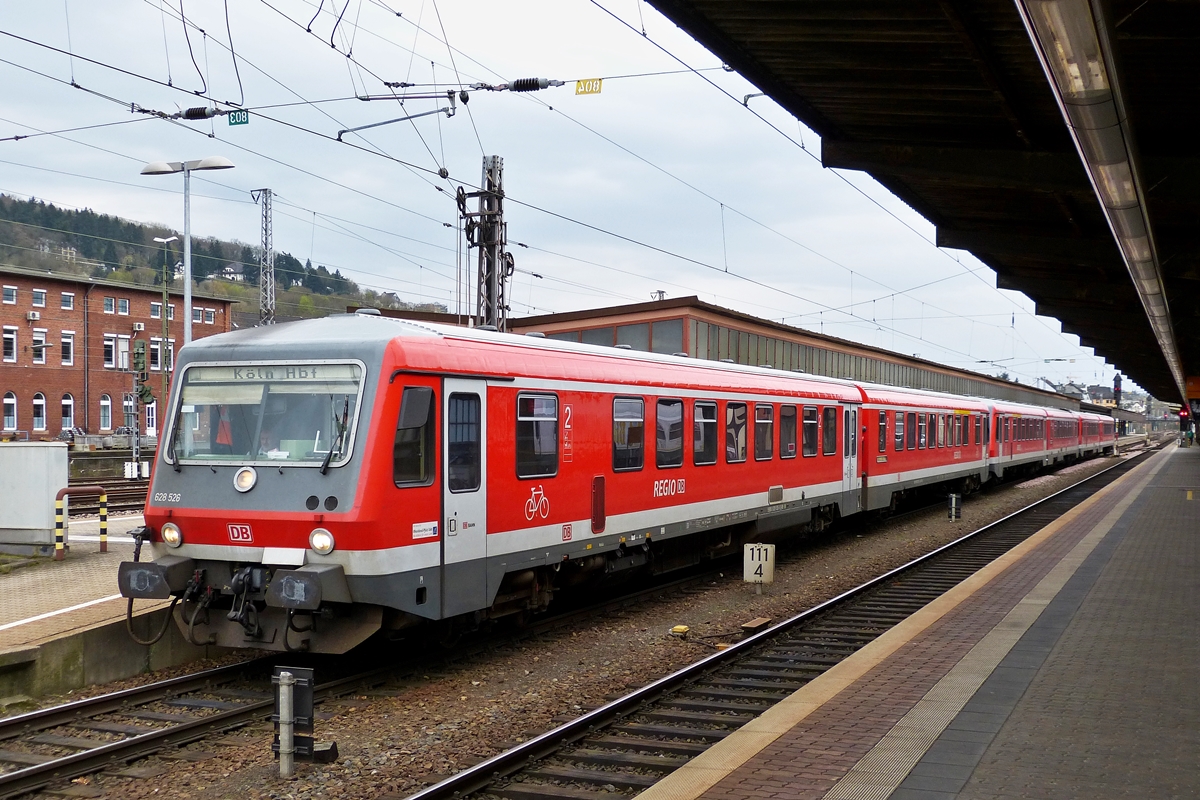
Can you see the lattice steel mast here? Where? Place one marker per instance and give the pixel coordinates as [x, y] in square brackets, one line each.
[266, 261]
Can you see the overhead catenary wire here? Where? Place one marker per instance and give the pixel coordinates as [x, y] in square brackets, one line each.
[1023, 310]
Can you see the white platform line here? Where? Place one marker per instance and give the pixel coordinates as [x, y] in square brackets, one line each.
[49, 614]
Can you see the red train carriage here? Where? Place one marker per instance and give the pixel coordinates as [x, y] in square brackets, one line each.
[323, 480]
[922, 438]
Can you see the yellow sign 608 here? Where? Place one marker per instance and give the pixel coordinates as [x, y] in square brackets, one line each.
[589, 86]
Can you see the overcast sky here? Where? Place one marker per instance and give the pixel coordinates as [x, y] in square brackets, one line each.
[659, 182]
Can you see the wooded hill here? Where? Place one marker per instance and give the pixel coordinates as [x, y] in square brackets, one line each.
[43, 236]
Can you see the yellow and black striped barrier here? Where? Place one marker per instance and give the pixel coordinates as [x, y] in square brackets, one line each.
[104, 522]
[60, 532]
[58, 529]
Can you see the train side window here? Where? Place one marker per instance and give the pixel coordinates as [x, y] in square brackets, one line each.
[463, 440]
[764, 432]
[629, 433]
[899, 441]
[941, 430]
[537, 435]
[912, 430]
[978, 419]
[413, 448]
[829, 438]
[704, 433]
[668, 421]
[735, 433]
[810, 431]
[787, 431]
[922, 430]
[883, 432]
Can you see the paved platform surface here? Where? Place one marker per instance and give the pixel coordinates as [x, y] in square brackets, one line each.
[48, 598]
[1068, 668]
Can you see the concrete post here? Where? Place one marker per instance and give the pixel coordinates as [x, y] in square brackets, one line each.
[287, 749]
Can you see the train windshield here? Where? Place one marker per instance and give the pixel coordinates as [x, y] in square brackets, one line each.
[275, 413]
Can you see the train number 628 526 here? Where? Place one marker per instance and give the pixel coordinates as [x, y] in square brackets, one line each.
[166, 497]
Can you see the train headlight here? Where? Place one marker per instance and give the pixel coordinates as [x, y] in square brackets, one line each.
[245, 478]
[321, 541]
[171, 535]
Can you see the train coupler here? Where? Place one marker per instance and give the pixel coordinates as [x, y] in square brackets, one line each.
[154, 580]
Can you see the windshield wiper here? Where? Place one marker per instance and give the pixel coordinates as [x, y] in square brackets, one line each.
[341, 433]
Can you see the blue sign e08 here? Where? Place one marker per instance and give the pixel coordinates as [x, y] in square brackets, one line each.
[239, 117]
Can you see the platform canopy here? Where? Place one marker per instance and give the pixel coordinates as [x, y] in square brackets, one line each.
[951, 105]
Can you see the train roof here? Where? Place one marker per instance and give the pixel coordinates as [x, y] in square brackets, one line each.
[448, 348]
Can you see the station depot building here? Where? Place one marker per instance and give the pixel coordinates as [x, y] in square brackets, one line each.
[68, 344]
[690, 327]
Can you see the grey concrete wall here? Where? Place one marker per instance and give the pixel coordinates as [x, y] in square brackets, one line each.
[99, 655]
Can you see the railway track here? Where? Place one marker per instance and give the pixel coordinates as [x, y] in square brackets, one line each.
[632, 742]
[123, 495]
[107, 732]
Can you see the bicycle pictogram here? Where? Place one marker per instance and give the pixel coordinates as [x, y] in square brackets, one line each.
[537, 504]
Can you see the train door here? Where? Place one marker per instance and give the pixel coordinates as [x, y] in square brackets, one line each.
[464, 493]
[851, 502]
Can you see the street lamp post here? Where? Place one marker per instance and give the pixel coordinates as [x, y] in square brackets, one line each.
[164, 346]
[187, 167]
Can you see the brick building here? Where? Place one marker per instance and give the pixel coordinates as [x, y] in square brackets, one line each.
[68, 345]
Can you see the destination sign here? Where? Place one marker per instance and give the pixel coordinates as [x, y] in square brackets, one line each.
[277, 373]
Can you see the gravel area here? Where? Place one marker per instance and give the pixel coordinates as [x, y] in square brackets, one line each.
[426, 726]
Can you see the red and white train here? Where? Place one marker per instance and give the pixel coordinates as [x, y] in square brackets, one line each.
[320, 481]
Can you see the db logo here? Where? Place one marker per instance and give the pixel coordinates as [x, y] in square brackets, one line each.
[240, 533]
[566, 532]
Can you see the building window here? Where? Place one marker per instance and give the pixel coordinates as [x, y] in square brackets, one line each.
[809, 440]
[152, 417]
[39, 298]
[764, 432]
[123, 306]
[196, 312]
[10, 295]
[110, 305]
[155, 349]
[169, 355]
[668, 422]
[10, 412]
[130, 412]
[735, 433]
[39, 345]
[10, 344]
[829, 433]
[209, 316]
[68, 348]
[68, 301]
[39, 412]
[170, 311]
[156, 311]
[704, 433]
[105, 412]
[629, 433]
[110, 351]
[787, 431]
[537, 435]
[68, 412]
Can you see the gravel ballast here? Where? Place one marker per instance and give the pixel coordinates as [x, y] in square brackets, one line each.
[468, 708]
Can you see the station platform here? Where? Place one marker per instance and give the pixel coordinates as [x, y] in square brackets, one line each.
[1067, 668]
[62, 623]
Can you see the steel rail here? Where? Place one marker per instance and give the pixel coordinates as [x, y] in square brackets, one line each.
[35, 777]
[502, 765]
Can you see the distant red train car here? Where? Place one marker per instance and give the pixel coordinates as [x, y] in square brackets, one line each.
[324, 480]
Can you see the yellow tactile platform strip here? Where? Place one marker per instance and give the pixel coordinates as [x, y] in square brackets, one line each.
[918, 723]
